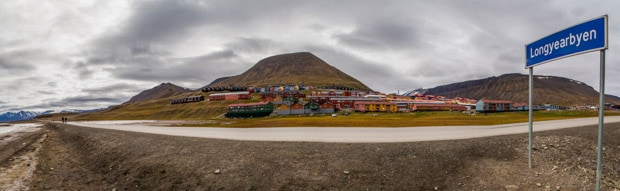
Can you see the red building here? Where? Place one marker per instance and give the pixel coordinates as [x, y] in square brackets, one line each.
[230, 96]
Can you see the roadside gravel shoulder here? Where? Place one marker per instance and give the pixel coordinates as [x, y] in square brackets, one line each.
[81, 158]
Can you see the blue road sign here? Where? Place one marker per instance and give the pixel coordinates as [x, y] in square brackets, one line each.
[581, 38]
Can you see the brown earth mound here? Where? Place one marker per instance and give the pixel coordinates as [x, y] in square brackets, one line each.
[293, 68]
[80, 158]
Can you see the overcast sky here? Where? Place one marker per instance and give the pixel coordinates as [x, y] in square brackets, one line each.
[79, 54]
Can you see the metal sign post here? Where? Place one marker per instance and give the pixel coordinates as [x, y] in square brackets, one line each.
[530, 114]
[601, 116]
[585, 37]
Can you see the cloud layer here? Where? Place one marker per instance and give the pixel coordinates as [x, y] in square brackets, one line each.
[89, 54]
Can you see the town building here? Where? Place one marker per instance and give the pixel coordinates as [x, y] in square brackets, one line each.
[230, 96]
[249, 110]
[493, 105]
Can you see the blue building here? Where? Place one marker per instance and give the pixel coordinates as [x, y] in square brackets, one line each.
[493, 106]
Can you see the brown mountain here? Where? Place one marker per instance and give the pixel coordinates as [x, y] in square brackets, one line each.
[514, 87]
[293, 68]
[163, 90]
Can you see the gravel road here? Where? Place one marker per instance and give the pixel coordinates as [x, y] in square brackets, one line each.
[345, 135]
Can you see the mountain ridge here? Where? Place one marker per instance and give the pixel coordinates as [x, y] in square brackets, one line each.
[163, 90]
[515, 87]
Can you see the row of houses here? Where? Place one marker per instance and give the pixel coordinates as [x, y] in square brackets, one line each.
[290, 100]
[294, 87]
[484, 106]
[293, 102]
[308, 108]
[228, 88]
[189, 99]
[406, 107]
[365, 106]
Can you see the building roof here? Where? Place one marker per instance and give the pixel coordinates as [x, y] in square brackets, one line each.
[440, 105]
[352, 98]
[248, 104]
[496, 101]
[231, 93]
[375, 102]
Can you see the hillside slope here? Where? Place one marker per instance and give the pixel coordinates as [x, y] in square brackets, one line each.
[161, 109]
[294, 68]
[163, 90]
[547, 89]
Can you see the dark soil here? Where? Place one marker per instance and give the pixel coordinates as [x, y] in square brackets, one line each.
[80, 158]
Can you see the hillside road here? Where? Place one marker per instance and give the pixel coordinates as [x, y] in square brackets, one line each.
[344, 134]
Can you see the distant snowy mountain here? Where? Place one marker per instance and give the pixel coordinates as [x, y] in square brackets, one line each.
[22, 115]
[419, 91]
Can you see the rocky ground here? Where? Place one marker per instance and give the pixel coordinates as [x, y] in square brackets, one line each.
[79, 158]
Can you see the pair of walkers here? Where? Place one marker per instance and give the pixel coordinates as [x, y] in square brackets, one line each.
[64, 120]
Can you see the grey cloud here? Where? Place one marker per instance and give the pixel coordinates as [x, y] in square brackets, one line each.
[20, 84]
[84, 99]
[46, 92]
[509, 60]
[7, 108]
[138, 50]
[6, 64]
[382, 34]
[252, 45]
[19, 60]
[373, 74]
[432, 70]
[162, 22]
[82, 70]
[13, 42]
[159, 22]
[196, 70]
[126, 55]
[377, 42]
[351, 64]
[52, 84]
[5, 105]
[45, 105]
[78, 102]
[213, 57]
[121, 87]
